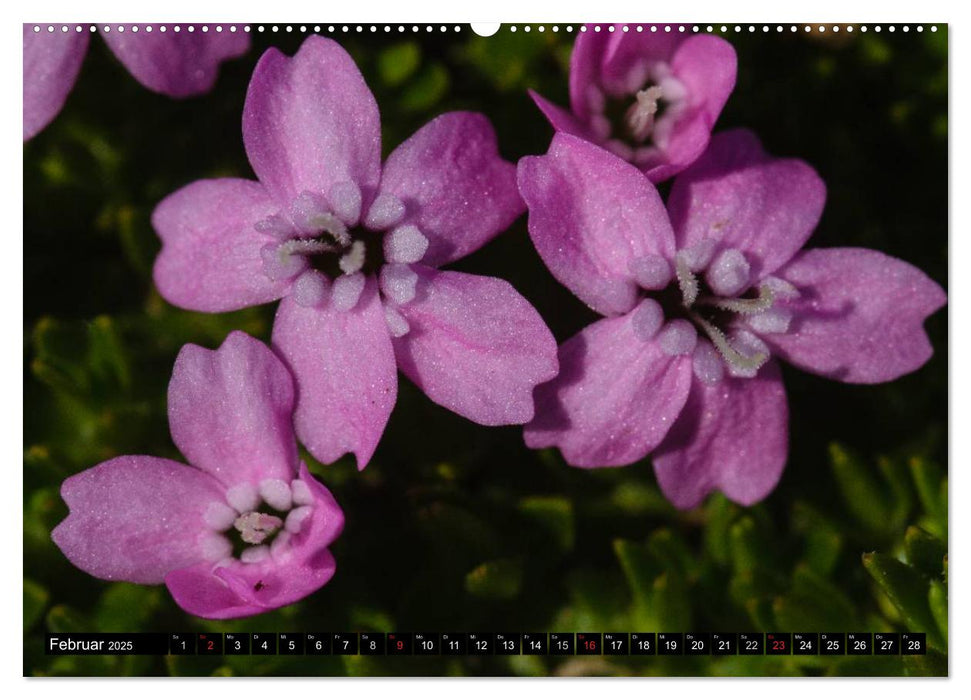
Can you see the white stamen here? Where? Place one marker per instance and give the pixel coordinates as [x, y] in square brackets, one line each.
[750, 346]
[276, 494]
[346, 291]
[279, 546]
[302, 495]
[243, 497]
[353, 260]
[651, 271]
[304, 246]
[398, 282]
[296, 519]
[255, 527]
[215, 547]
[279, 263]
[728, 273]
[345, 201]
[739, 365]
[771, 321]
[707, 363]
[686, 279]
[397, 324]
[386, 211]
[307, 207]
[406, 244]
[743, 306]
[331, 225]
[311, 288]
[219, 516]
[678, 337]
[647, 319]
[698, 256]
[640, 115]
[254, 555]
[276, 226]
[781, 288]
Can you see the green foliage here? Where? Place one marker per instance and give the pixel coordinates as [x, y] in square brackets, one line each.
[455, 526]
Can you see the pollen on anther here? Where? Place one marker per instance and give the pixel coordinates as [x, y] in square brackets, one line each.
[353, 260]
[276, 493]
[729, 273]
[254, 555]
[647, 319]
[678, 337]
[296, 519]
[405, 244]
[651, 271]
[302, 495]
[707, 363]
[399, 282]
[346, 291]
[219, 516]
[243, 497]
[311, 288]
[386, 211]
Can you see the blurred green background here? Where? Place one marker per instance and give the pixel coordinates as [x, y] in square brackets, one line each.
[458, 527]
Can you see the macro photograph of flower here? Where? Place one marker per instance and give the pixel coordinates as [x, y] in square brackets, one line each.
[626, 342]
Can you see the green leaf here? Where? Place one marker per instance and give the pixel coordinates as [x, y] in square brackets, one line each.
[937, 600]
[36, 598]
[864, 496]
[907, 591]
[126, 606]
[671, 603]
[397, 63]
[62, 618]
[924, 551]
[931, 486]
[824, 541]
[554, 514]
[639, 568]
[426, 90]
[500, 579]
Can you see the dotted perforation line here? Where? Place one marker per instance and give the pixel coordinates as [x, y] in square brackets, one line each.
[428, 28]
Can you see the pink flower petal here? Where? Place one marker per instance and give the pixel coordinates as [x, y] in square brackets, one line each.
[345, 372]
[230, 411]
[707, 66]
[585, 68]
[732, 436]
[689, 138]
[178, 64]
[457, 189]
[475, 346]
[135, 518]
[859, 317]
[51, 65]
[240, 589]
[627, 51]
[615, 398]
[310, 122]
[210, 258]
[559, 118]
[590, 215]
[737, 194]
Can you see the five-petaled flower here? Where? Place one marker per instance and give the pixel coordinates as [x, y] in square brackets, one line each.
[175, 63]
[650, 97]
[699, 299]
[242, 531]
[353, 248]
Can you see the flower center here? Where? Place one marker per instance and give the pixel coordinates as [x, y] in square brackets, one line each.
[710, 294]
[326, 246]
[256, 522]
[639, 130]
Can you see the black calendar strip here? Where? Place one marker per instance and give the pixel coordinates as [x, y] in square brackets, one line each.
[492, 644]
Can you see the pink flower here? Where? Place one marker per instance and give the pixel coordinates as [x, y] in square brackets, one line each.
[650, 97]
[178, 64]
[353, 248]
[242, 531]
[699, 300]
